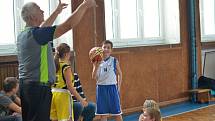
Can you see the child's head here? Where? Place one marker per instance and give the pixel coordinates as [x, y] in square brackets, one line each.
[151, 114]
[150, 104]
[107, 46]
[11, 84]
[62, 52]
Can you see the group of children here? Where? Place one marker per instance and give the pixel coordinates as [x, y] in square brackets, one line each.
[108, 75]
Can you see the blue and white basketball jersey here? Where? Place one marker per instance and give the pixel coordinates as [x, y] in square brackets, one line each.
[107, 72]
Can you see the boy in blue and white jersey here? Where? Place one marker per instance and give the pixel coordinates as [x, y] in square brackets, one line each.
[109, 77]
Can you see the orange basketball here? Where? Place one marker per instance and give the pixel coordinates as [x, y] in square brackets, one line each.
[96, 54]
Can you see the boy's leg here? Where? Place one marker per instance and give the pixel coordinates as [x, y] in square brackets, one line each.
[102, 101]
[89, 112]
[78, 109]
[118, 118]
[103, 118]
[114, 101]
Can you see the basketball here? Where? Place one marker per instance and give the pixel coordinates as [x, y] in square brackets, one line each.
[96, 54]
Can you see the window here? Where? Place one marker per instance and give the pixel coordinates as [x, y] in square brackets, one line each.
[67, 37]
[142, 22]
[14, 24]
[207, 13]
[7, 26]
[127, 30]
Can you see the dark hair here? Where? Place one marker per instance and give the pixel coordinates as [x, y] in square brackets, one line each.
[9, 84]
[61, 50]
[108, 42]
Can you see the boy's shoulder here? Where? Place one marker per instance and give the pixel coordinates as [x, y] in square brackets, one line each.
[113, 57]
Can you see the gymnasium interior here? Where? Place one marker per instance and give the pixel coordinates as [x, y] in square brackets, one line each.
[165, 48]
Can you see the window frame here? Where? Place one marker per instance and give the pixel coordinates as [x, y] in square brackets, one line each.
[10, 49]
[140, 40]
[205, 37]
[19, 25]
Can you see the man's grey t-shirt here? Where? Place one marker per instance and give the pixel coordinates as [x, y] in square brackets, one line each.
[34, 52]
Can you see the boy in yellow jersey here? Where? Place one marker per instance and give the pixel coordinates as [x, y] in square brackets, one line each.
[61, 106]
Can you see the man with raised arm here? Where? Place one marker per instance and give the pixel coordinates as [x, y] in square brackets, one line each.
[35, 57]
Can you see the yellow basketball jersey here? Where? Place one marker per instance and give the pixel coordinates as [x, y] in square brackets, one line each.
[61, 81]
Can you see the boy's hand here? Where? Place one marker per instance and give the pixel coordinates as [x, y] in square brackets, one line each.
[96, 63]
[141, 118]
[84, 103]
[15, 114]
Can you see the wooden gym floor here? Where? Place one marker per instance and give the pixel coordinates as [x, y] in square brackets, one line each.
[204, 114]
[186, 111]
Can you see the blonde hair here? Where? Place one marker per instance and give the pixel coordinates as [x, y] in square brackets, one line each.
[154, 113]
[151, 104]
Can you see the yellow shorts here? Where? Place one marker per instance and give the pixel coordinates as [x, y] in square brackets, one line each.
[61, 105]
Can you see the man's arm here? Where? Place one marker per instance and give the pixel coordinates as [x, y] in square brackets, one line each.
[74, 19]
[54, 15]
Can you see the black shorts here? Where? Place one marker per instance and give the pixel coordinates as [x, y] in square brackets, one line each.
[35, 101]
